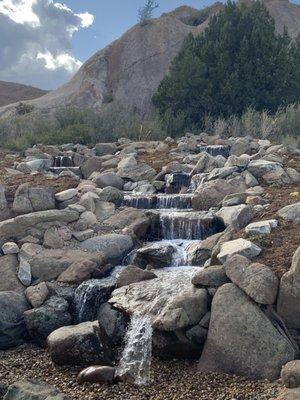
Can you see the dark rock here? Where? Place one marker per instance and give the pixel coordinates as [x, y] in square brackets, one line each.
[113, 322]
[132, 274]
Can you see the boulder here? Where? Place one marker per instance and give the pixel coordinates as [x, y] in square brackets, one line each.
[97, 374]
[66, 195]
[131, 218]
[37, 295]
[137, 172]
[21, 225]
[132, 274]
[237, 216]
[213, 276]
[9, 274]
[290, 374]
[197, 335]
[111, 194]
[102, 149]
[104, 209]
[108, 179]
[113, 322]
[91, 165]
[234, 199]
[205, 163]
[12, 327]
[5, 212]
[174, 345]
[210, 194]
[157, 255]
[240, 146]
[198, 253]
[261, 227]
[257, 280]
[290, 212]
[78, 272]
[24, 390]
[30, 199]
[288, 303]
[86, 220]
[82, 344]
[242, 340]
[52, 239]
[49, 264]
[184, 310]
[41, 321]
[114, 246]
[259, 168]
[239, 246]
[10, 248]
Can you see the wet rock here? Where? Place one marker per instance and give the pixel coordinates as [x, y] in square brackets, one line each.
[239, 246]
[290, 374]
[25, 390]
[114, 246]
[157, 255]
[237, 216]
[288, 304]
[12, 327]
[82, 344]
[113, 322]
[198, 253]
[30, 199]
[132, 274]
[256, 280]
[41, 321]
[290, 212]
[213, 276]
[242, 340]
[97, 374]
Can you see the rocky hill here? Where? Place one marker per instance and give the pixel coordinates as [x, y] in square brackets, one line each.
[14, 92]
[186, 249]
[129, 70]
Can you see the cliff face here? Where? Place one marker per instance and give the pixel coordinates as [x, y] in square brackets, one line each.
[129, 70]
[13, 92]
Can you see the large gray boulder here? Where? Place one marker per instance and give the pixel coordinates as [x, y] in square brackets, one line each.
[113, 322]
[82, 344]
[92, 164]
[288, 304]
[114, 246]
[240, 246]
[211, 194]
[47, 265]
[30, 199]
[12, 327]
[22, 225]
[103, 149]
[9, 274]
[259, 168]
[290, 212]
[24, 390]
[242, 340]
[108, 179]
[257, 280]
[237, 216]
[213, 276]
[132, 219]
[199, 252]
[41, 321]
[158, 255]
[136, 172]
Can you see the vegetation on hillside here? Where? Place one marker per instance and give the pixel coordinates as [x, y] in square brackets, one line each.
[238, 62]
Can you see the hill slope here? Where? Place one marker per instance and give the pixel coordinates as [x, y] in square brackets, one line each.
[129, 70]
[13, 92]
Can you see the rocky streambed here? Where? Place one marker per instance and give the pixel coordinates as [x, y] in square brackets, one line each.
[162, 278]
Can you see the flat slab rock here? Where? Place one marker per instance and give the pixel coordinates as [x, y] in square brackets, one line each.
[261, 227]
[238, 246]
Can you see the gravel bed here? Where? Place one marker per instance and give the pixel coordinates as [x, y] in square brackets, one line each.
[171, 380]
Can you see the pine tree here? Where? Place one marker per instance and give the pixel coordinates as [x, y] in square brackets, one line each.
[239, 61]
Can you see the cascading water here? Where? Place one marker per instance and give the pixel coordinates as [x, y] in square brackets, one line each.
[160, 201]
[62, 161]
[197, 181]
[136, 357]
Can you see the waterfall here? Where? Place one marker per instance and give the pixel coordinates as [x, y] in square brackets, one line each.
[188, 225]
[139, 201]
[177, 201]
[215, 150]
[136, 357]
[197, 181]
[62, 161]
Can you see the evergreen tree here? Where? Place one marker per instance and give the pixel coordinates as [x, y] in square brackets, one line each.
[239, 61]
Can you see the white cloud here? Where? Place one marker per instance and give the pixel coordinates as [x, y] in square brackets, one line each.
[36, 41]
[20, 11]
[62, 60]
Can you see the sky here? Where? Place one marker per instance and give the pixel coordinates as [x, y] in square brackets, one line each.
[44, 42]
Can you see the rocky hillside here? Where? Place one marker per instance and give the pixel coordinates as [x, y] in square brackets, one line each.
[129, 70]
[14, 92]
[187, 250]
